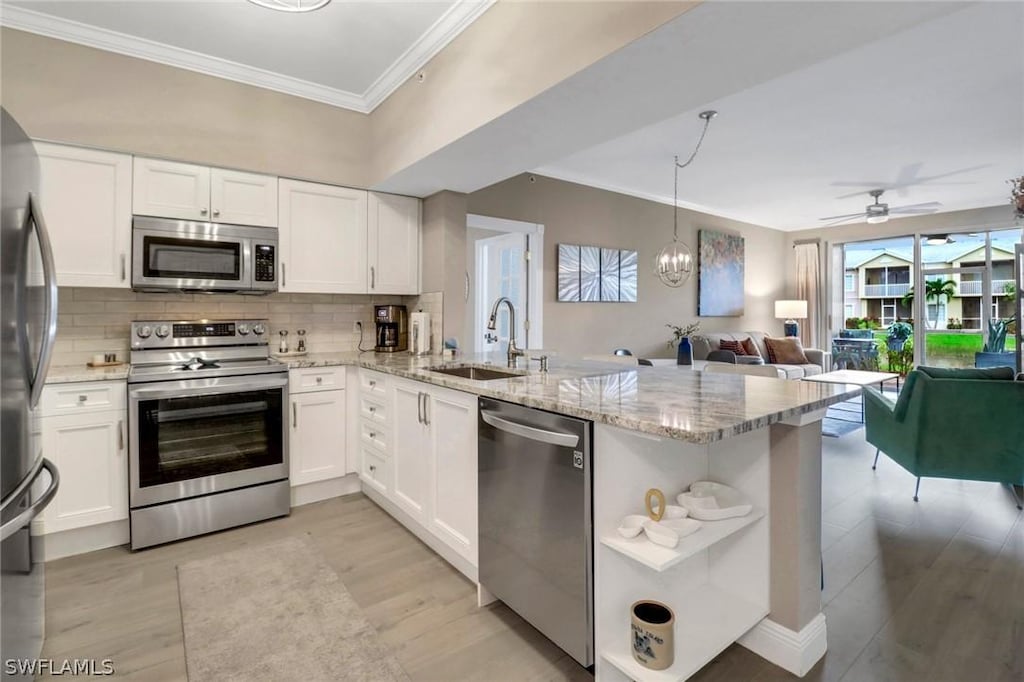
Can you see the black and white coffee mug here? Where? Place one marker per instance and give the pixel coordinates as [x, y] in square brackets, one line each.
[652, 632]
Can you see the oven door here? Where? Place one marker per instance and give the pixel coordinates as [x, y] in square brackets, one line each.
[177, 254]
[201, 436]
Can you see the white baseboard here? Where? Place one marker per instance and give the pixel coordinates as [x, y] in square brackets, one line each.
[447, 553]
[325, 490]
[796, 652]
[80, 540]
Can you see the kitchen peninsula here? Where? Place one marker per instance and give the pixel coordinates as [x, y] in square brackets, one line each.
[756, 582]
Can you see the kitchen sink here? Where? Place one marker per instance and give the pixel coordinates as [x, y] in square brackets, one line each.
[477, 373]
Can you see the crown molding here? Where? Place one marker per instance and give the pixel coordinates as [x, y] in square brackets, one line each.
[453, 22]
[434, 39]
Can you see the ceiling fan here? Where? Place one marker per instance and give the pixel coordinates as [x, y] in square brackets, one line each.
[879, 212]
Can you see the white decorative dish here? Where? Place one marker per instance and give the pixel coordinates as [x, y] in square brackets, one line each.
[711, 501]
[667, 532]
[674, 512]
[631, 525]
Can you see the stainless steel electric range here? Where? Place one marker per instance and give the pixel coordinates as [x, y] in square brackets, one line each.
[208, 436]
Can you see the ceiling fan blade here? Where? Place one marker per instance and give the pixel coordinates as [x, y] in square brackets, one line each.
[913, 211]
[927, 204]
[844, 217]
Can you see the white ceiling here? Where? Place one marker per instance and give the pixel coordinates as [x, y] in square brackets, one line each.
[350, 54]
[932, 113]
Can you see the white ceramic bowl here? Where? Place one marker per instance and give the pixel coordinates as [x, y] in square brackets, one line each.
[711, 501]
[674, 512]
[631, 525]
[660, 534]
[682, 527]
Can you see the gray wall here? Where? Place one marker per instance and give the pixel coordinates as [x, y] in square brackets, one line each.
[578, 214]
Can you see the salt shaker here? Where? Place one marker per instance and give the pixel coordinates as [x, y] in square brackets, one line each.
[283, 347]
[301, 345]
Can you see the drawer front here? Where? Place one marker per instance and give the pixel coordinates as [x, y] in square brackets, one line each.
[373, 384]
[86, 396]
[374, 470]
[316, 379]
[372, 410]
[374, 435]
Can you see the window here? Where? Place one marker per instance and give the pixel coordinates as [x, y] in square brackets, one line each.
[849, 311]
[850, 282]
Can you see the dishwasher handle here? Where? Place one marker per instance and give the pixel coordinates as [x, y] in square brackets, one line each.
[559, 438]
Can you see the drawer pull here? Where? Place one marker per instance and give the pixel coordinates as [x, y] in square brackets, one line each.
[373, 434]
[372, 383]
[372, 410]
[82, 398]
[373, 467]
[319, 380]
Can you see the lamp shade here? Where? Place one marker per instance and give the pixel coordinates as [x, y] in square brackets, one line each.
[791, 310]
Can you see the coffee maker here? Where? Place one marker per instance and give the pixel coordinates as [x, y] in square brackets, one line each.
[392, 328]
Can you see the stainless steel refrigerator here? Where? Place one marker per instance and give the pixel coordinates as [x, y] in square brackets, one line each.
[28, 326]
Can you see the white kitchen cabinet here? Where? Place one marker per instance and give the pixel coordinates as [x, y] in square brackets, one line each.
[317, 437]
[91, 453]
[452, 436]
[394, 244]
[243, 198]
[170, 189]
[322, 238]
[410, 452]
[86, 198]
[317, 443]
[433, 465]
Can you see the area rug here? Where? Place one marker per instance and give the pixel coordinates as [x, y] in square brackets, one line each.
[842, 418]
[276, 611]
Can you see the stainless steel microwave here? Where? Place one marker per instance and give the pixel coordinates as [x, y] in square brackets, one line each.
[180, 255]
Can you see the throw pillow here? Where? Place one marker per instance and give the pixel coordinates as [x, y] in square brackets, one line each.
[786, 351]
[750, 347]
[735, 346]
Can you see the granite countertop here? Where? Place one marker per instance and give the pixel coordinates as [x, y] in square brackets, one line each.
[66, 374]
[671, 401]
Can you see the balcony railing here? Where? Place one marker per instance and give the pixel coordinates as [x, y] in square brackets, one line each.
[886, 290]
[973, 287]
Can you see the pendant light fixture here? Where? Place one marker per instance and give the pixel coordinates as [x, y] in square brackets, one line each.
[674, 264]
[293, 6]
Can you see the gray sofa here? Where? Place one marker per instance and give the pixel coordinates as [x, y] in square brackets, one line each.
[820, 361]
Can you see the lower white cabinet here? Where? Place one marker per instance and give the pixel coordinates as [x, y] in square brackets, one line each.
[317, 441]
[90, 450]
[433, 461]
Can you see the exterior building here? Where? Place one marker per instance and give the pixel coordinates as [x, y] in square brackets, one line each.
[877, 281]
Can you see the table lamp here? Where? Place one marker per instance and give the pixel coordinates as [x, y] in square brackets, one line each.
[791, 311]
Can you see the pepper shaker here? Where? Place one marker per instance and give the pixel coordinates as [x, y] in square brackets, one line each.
[283, 347]
[301, 345]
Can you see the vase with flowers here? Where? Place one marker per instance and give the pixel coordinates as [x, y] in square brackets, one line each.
[681, 339]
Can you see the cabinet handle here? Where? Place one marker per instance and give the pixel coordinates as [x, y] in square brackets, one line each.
[124, 268]
[216, 212]
[120, 435]
[372, 410]
[419, 407]
[295, 416]
[426, 414]
[373, 434]
[319, 380]
[82, 398]
[284, 280]
[373, 467]
[373, 277]
[372, 383]
[202, 211]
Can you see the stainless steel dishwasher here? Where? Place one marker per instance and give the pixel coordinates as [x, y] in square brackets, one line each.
[536, 534]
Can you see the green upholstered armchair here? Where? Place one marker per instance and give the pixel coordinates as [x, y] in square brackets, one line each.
[952, 423]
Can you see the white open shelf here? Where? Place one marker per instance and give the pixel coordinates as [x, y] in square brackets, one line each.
[662, 558]
[722, 618]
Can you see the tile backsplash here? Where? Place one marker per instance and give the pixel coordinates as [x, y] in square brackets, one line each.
[93, 321]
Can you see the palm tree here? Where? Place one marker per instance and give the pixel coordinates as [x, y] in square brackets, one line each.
[934, 290]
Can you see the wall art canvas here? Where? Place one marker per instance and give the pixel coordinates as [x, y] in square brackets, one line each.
[592, 273]
[720, 291]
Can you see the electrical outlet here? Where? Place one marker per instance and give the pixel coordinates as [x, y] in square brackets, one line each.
[357, 327]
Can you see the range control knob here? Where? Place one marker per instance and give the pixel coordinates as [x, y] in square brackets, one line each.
[144, 331]
[242, 329]
[162, 331]
[259, 329]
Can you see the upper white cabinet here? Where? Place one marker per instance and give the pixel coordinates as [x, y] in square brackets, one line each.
[394, 244]
[86, 199]
[322, 238]
[170, 189]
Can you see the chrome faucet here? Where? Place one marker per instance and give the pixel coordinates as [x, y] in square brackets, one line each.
[492, 324]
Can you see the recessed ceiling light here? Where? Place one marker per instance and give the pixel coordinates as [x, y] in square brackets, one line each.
[294, 6]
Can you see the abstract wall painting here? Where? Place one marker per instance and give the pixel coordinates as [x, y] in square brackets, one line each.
[720, 289]
[592, 273]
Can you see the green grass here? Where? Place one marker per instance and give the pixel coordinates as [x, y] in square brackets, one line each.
[955, 343]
